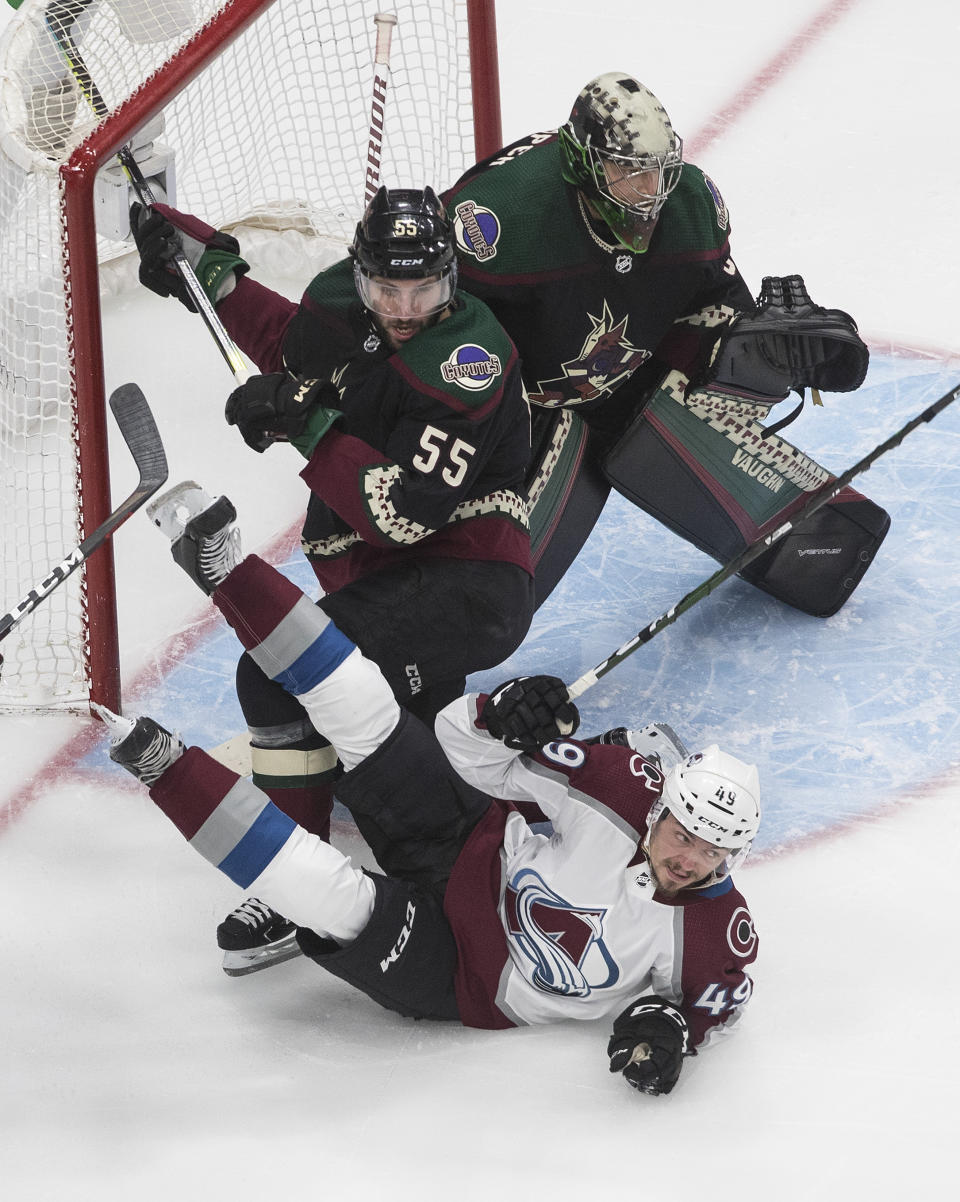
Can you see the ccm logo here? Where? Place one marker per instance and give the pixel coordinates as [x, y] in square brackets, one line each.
[397, 949]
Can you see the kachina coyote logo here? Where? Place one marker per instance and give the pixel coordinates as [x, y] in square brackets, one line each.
[564, 943]
[476, 229]
[472, 367]
[606, 359]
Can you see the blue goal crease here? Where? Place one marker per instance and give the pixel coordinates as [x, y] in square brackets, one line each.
[840, 714]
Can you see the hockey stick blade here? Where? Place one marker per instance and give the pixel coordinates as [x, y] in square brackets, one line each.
[817, 500]
[139, 431]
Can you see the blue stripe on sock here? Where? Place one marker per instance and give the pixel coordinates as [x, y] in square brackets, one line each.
[258, 846]
[324, 655]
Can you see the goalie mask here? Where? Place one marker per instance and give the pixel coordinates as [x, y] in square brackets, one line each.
[405, 235]
[620, 150]
[716, 797]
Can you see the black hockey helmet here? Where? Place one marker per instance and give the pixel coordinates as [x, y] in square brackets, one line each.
[405, 235]
[621, 151]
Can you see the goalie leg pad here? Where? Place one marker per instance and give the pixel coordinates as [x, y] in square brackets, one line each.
[703, 465]
[819, 563]
[566, 491]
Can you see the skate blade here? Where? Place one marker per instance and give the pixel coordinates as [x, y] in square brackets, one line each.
[240, 964]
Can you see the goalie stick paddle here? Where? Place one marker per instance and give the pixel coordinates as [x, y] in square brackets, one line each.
[140, 433]
[59, 18]
[817, 500]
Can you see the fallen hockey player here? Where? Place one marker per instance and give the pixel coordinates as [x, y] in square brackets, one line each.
[628, 910]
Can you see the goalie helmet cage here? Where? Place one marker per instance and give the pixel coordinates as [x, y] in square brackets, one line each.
[266, 107]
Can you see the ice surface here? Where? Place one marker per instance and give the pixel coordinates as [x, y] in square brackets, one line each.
[134, 1068]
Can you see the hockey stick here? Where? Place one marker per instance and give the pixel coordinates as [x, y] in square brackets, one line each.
[817, 500]
[59, 18]
[381, 77]
[140, 433]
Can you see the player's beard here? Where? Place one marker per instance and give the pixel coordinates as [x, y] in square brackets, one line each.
[398, 331]
[669, 886]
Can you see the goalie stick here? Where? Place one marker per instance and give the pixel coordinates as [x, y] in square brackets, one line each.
[817, 500]
[140, 433]
[59, 18]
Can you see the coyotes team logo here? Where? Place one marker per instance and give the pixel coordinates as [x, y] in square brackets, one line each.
[477, 230]
[564, 943]
[606, 359]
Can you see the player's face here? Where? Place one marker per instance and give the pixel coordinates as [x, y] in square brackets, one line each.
[628, 186]
[405, 307]
[679, 859]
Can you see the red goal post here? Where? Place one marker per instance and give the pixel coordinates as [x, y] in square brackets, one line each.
[265, 107]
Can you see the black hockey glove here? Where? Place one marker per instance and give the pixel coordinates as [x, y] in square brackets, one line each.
[790, 343]
[160, 232]
[529, 712]
[268, 409]
[648, 1044]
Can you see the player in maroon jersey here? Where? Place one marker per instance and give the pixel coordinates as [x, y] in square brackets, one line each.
[405, 398]
[627, 911]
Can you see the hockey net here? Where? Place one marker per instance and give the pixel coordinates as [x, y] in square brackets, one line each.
[256, 113]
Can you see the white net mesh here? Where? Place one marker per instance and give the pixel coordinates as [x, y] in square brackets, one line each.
[273, 131]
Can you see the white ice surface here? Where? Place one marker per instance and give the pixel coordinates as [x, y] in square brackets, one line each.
[134, 1068]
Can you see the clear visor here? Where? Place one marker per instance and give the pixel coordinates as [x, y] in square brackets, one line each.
[405, 298]
[639, 185]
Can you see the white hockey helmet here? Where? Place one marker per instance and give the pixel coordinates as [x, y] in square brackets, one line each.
[716, 797]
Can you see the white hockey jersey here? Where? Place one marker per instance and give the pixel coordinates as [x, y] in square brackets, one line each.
[570, 925]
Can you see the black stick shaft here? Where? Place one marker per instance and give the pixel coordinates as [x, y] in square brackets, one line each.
[817, 500]
[59, 19]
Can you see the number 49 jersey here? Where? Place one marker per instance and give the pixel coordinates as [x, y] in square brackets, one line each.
[574, 926]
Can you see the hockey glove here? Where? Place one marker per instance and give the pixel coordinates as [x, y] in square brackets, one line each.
[648, 1044]
[790, 342]
[268, 409]
[529, 712]
[160, 232]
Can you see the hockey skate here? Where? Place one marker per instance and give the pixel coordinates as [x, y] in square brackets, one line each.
[204, 540]
[255, 937]
[143, 747]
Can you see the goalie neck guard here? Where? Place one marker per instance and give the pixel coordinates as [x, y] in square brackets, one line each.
[620, 150]
[405, 235]
[716, 797]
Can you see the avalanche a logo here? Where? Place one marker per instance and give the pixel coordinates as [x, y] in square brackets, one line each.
[476, 229]
[471, 367]
[606, 359]
[563, 942]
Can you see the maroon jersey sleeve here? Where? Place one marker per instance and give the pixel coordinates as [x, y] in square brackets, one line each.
[719, 943]
[256, 318]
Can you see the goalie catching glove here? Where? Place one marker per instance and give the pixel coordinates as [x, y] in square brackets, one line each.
[649, 1041]
[270, 408]
[529, 712]
[789, 343]
[161, 232]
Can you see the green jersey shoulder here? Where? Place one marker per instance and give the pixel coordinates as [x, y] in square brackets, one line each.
[514, 216]
[466, 356]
